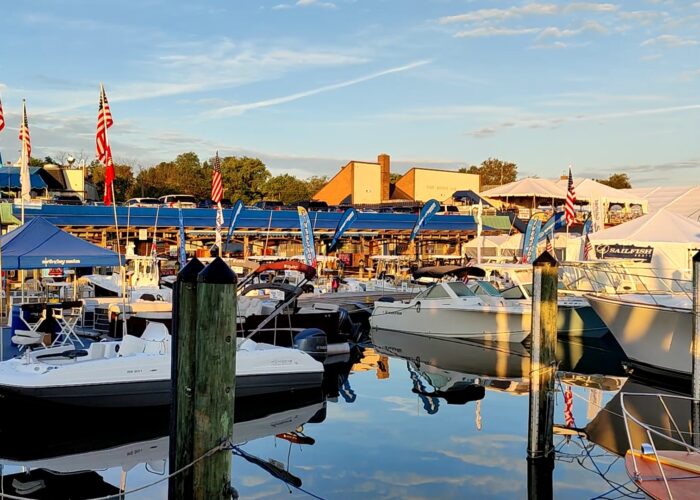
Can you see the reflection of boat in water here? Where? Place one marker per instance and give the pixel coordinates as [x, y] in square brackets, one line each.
[456, 365]
[126, 445]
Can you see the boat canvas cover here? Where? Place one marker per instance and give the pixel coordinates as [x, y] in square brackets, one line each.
[39, 244]
[447, 270]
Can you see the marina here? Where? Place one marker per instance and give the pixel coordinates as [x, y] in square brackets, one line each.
[339, 249]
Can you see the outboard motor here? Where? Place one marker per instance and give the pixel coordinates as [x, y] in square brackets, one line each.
[347, 326]
[314, 342]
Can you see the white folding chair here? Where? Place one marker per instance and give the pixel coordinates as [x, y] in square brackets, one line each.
[31, 336]
[67, 319]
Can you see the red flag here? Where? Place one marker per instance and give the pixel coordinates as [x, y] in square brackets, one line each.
[569, 407]
[2, 117]
[104, 152]
[217, 186]
[549, 247]
[569, 211]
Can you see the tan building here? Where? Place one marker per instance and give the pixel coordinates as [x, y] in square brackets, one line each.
[423, 184]
[369, 183]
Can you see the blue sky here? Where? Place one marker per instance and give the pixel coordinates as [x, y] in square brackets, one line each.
[308, 85]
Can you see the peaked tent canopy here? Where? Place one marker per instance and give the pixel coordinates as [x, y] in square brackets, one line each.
[528, 187]
[589, 190]
[39, 244]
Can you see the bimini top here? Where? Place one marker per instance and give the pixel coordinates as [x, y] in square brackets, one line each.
[448, 270]
[39, 244]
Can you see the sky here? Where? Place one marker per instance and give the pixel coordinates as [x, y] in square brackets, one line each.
[308, 85]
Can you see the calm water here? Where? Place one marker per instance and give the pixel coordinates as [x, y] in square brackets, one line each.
[406, 417]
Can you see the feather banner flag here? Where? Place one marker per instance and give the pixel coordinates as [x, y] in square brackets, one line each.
[235, 214]
[430, 208]
[532, 236]
[307, 237]
[344, 224]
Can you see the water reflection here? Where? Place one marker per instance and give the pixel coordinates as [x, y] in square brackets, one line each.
[408, 416]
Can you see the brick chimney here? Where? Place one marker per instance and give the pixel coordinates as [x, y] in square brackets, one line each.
[384, 161]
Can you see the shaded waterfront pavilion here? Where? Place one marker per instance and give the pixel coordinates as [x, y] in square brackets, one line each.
[588, 190]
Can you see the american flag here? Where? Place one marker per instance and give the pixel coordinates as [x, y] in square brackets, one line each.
[2, 117]
[569, 212]
[587, 249]
[549, 247]
[569, 407]
[104, 121]
[217, 185]
[24, 134]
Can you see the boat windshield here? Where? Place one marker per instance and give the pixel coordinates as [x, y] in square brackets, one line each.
[460, 289]
[484, 288]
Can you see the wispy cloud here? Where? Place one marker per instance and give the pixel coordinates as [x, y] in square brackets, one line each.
[670, 41]
[305, 3]
[488, 31]
[531, 9]
[690, 75]
[238, 109]
[556, 121]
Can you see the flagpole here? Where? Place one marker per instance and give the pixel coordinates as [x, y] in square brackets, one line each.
[23, 159]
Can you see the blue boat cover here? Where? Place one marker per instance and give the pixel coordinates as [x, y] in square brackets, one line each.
[39, 244]
[470, 196]
[9, 178]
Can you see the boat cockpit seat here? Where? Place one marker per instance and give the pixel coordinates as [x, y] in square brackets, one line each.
[131, 345]
[155, 331]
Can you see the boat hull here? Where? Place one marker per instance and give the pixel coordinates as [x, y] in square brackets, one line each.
[649, 334]
[479, 323]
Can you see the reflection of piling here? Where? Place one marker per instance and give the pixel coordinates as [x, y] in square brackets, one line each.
[696, 349]
[215, 378]
[543, 339]
[182, 377]
[542, 356]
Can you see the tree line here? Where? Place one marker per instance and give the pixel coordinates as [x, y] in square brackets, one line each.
[244, 178]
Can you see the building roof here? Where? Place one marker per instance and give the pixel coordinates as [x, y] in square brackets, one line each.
[100, 216]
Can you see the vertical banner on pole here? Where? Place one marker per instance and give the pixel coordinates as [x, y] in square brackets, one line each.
[307, 237]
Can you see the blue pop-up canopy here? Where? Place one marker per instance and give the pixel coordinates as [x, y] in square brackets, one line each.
[39, 244]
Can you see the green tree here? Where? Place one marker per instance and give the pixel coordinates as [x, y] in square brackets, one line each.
[393, 177]
[617, 181]
[315, 183]
[287, 189]
[244, 178]
[494, 172]
[123, 180]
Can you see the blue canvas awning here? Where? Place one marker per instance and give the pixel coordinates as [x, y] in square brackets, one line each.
[470, 196]
[39, 244]
[9, 178]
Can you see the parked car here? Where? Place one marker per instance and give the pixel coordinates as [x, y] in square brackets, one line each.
[142, 202]
[319, 206]
[67, 199]
[269, 205]
[178, 201]
[225, 203]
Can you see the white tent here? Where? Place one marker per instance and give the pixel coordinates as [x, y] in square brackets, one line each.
[490, 245]
[530, 186]
[589, 190]
[683, 200]
[674, 240]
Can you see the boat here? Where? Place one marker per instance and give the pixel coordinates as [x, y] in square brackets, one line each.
[575, 316]
[654, 330]
[452, 309]
[664, 465]
[135, 371]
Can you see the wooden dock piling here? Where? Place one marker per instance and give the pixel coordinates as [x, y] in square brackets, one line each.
[215, 378]
[183, 343]
[542, 356]
[695, 413]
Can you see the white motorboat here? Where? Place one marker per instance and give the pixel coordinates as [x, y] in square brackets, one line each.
[136, 371]
[654, 330]
[451, 309]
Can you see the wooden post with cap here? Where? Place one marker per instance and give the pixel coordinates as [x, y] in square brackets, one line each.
[183, 343]
[543, 339]
[696, 350]
[215, 379]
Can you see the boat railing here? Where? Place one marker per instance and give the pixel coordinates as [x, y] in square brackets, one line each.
[651, 431]
[618, 278]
